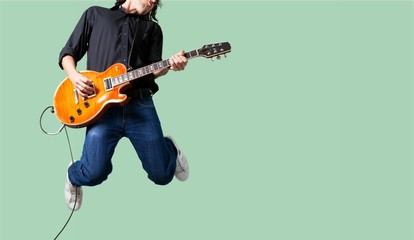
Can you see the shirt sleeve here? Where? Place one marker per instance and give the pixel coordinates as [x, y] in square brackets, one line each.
[77, 44]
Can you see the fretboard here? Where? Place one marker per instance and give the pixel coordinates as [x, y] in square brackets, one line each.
[140, 72]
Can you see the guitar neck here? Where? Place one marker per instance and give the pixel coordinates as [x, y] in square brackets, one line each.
[140, 72]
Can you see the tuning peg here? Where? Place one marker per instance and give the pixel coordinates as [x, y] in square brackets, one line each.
[218, 57]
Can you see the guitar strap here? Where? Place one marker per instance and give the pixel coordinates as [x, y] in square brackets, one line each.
[135, 41]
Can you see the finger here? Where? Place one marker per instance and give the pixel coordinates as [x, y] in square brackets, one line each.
[80, 91]
[180, 62]
[177, 66]
[84, 88]
[88, 82]
[173, 62]
[182, 59]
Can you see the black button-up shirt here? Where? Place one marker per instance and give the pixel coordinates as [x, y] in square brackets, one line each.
[112, 36]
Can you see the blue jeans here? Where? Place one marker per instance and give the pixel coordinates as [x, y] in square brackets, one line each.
[139, 122]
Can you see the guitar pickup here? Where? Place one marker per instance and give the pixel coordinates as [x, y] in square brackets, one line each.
[108, 84]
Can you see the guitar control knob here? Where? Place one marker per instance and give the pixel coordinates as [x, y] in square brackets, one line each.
[79, 111]
[72, 118]
[86, 104]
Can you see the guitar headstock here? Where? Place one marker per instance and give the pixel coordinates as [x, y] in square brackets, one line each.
[215, 50]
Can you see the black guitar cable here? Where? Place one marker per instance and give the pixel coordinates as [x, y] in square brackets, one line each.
[71, 156]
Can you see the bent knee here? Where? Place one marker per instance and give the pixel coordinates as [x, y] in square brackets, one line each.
[96, 177]
[161, 179]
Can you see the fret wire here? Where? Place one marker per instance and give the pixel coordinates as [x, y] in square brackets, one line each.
[166, 63]
[137, 73]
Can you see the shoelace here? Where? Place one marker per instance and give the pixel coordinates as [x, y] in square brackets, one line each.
[73, 192]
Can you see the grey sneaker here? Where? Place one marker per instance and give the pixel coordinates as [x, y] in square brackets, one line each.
[73, 195]
[181, 170]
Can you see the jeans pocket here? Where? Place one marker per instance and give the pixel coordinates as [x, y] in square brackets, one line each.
[145, 102]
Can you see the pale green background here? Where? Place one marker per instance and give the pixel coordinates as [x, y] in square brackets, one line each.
[304, 132]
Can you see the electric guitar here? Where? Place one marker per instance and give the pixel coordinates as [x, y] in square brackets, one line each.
[76, 111]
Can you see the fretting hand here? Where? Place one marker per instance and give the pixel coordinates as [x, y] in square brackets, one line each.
[178, 61]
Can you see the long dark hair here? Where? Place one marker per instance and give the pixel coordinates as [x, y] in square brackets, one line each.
[151, 15]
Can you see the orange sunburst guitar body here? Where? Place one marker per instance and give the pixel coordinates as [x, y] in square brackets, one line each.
[74, 111]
